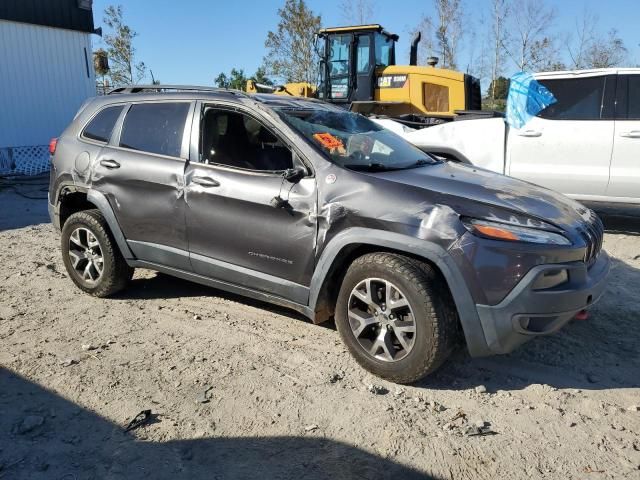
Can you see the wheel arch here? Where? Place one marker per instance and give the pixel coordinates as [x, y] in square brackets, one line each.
[71, 199]
[352, 243]
[101, 202]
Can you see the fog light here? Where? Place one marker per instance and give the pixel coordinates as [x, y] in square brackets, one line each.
[551, 278]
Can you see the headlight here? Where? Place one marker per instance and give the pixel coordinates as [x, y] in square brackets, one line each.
[513, 233]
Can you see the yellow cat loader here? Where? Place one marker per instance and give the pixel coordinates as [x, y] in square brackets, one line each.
[358, 70]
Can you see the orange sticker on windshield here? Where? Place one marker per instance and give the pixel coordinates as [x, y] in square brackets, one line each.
[328, 141]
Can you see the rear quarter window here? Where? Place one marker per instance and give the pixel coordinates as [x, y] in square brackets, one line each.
[155, 127]
[101, 126]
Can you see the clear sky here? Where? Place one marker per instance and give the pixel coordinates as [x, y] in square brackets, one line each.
[191, 41]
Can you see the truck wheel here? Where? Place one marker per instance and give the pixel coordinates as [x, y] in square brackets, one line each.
[396, 316]
[91, 256]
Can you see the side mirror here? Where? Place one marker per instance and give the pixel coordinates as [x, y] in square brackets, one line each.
[294, 175]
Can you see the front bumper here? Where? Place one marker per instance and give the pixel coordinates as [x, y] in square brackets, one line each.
[526, 312]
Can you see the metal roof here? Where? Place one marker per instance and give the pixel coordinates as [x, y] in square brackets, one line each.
[68, 14]
[592, 72]
[375, 27]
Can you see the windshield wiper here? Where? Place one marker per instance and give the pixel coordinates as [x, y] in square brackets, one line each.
[368, 167]
[424, 161]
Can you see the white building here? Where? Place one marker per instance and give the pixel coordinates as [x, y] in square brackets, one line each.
[46, 73]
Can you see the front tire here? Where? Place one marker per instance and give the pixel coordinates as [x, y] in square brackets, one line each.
[396, 316]
[91, 255]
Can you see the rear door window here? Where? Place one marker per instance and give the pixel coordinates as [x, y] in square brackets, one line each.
[628, 105]
[578, 98]
[155, 127]
[101, 126]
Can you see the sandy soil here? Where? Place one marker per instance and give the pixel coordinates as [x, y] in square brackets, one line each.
[240, 389]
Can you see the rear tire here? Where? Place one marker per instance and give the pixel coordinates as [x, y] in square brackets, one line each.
[91, 256]
[410, 318]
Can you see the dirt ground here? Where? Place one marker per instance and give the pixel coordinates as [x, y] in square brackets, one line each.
[240, 389]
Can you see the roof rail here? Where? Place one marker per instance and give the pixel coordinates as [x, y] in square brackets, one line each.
[175, 88]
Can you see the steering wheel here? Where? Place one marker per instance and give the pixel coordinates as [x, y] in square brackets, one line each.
[358, 157]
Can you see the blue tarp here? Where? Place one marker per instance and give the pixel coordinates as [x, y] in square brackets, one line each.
[526, 99]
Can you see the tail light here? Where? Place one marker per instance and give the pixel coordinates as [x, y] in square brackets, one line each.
[53, 143]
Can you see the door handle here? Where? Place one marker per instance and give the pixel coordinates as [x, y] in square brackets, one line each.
[109, 163]
[205, 181]
[530, 133]
[631, 134]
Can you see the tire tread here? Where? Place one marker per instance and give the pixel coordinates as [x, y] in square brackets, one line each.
[121, 273]
[438, 304]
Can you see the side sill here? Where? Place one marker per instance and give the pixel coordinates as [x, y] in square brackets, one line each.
[227, 287]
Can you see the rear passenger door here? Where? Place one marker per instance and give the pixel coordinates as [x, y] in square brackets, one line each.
[567, 146]
[141, 172]
[625, 164]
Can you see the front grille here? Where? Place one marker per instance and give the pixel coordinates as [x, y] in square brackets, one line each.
[592, 232]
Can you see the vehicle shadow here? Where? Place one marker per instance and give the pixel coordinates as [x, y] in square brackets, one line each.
[617, 219]
[48, 437]
[621, 224]
[599, 353]
[161, 286]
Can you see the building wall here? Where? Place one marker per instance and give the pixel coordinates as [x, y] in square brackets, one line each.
[44, 78]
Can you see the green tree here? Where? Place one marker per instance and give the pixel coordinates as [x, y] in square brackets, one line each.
[500, 87]
[291, 55]
[237, 79]
[124, 69]
[261, 77]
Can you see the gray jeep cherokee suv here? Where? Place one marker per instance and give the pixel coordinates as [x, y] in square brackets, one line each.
[299, 203]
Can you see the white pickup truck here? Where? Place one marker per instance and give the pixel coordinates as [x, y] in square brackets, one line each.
[587, 145]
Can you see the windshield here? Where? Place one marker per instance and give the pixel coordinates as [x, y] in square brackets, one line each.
[353, 141]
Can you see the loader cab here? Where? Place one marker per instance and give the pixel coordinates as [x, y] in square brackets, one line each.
[350, 57]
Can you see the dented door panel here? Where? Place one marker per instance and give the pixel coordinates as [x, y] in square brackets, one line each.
[232, 220]
[145, 192]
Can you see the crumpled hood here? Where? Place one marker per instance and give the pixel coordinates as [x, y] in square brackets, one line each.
[479, 185]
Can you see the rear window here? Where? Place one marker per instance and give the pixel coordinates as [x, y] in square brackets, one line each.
[578, 98]
[155, 127]
[101, 126]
